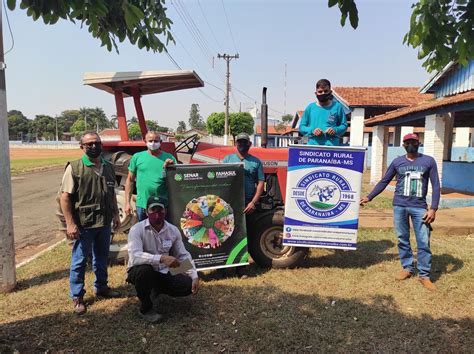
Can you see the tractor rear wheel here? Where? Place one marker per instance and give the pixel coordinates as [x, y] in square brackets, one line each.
[266, 247]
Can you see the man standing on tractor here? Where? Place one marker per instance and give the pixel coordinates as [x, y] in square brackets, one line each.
[413, 171]
[89, 205]
[323, 121]
[147, 168]
[254, 177]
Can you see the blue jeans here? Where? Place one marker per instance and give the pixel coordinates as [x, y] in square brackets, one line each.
[401, 216]
[141, 214]
[96, 240]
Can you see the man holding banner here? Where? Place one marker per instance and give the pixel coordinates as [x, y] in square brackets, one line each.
[155, 249]
[254, 177]
[323, 121]
[413, 171]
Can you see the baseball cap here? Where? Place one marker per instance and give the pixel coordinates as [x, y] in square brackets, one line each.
[242, 136]
[411, 136]
[157, 201]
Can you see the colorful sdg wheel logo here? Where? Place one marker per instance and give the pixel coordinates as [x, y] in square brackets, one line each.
[208, 221]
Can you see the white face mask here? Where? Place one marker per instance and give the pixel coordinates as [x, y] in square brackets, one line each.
[153, 146]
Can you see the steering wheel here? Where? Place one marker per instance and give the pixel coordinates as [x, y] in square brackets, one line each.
[189, 144]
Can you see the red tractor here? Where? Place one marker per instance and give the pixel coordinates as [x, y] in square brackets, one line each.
[265, 235]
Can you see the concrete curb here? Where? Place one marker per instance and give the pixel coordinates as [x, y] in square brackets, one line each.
[442, 230]
[32, 258]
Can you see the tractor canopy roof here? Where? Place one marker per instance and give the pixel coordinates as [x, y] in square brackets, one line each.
[147, 82]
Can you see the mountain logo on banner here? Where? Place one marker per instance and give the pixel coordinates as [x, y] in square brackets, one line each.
[323, 194]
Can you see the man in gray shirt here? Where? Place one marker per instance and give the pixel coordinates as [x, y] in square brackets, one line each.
[155, 246]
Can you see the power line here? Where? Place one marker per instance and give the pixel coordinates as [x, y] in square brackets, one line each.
[228, 25]
[208, 25]
[9, 28]
[179, 67]
[196, 34]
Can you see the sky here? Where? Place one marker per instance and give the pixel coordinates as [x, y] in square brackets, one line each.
[46, 65]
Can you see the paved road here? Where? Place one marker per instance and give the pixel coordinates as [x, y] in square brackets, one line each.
[34, 207]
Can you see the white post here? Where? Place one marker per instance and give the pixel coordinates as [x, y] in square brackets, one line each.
[378, 163]
[462, 137]
[397, 136]
[435, 129]
[357, 127]
[7, 248]
[404, 131]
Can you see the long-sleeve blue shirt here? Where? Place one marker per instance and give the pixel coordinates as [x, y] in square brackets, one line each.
[316, 116]
[412, 182]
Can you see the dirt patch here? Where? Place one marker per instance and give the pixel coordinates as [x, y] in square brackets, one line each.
[21, 154]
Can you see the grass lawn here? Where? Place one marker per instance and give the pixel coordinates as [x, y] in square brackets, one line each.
[26, 165]
[338, 301]
[25, 160]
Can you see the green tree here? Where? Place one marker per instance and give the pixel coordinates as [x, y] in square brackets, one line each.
[143, 22]
[44, 127]
[18, 125]
[134, 131]
[151, 125]
[181, 126]
[287, 118]
[195, 119]
[95, 117]
[442, 30]
[215, 123]
[78, 128]
[241, 122]
[67, 118]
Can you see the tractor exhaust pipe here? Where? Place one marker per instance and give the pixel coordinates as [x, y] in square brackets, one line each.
[264, 118]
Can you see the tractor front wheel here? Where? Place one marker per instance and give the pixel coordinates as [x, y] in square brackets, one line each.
[266, 245]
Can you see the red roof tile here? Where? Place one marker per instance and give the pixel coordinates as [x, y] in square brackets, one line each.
[423, 106]
[380, 96]
[110, 132]
[272, 130]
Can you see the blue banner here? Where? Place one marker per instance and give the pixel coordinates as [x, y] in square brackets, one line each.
[322, 196]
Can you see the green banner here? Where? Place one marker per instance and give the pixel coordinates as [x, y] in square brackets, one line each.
[206, 203]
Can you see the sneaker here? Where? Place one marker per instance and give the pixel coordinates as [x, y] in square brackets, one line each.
[150, 316]
[426, 282]
[403, 275]
[79, 306]
[107, 293]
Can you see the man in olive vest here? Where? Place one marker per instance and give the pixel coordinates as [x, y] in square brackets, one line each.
[89, 206]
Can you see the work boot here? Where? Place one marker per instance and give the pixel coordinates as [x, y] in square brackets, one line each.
[107, 293]
[426, 282]
[403, 275]
[150, 316]
[79, 305]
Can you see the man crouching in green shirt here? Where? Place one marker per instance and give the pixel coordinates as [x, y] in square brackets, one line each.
[147, 168]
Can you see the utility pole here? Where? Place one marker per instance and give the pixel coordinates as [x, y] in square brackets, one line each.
[7, 249]
[284, 105]
[56, 118]
[227, 58]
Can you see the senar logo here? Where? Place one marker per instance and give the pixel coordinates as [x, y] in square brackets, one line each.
[178, 177]
[211, 175]
[323, 194]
